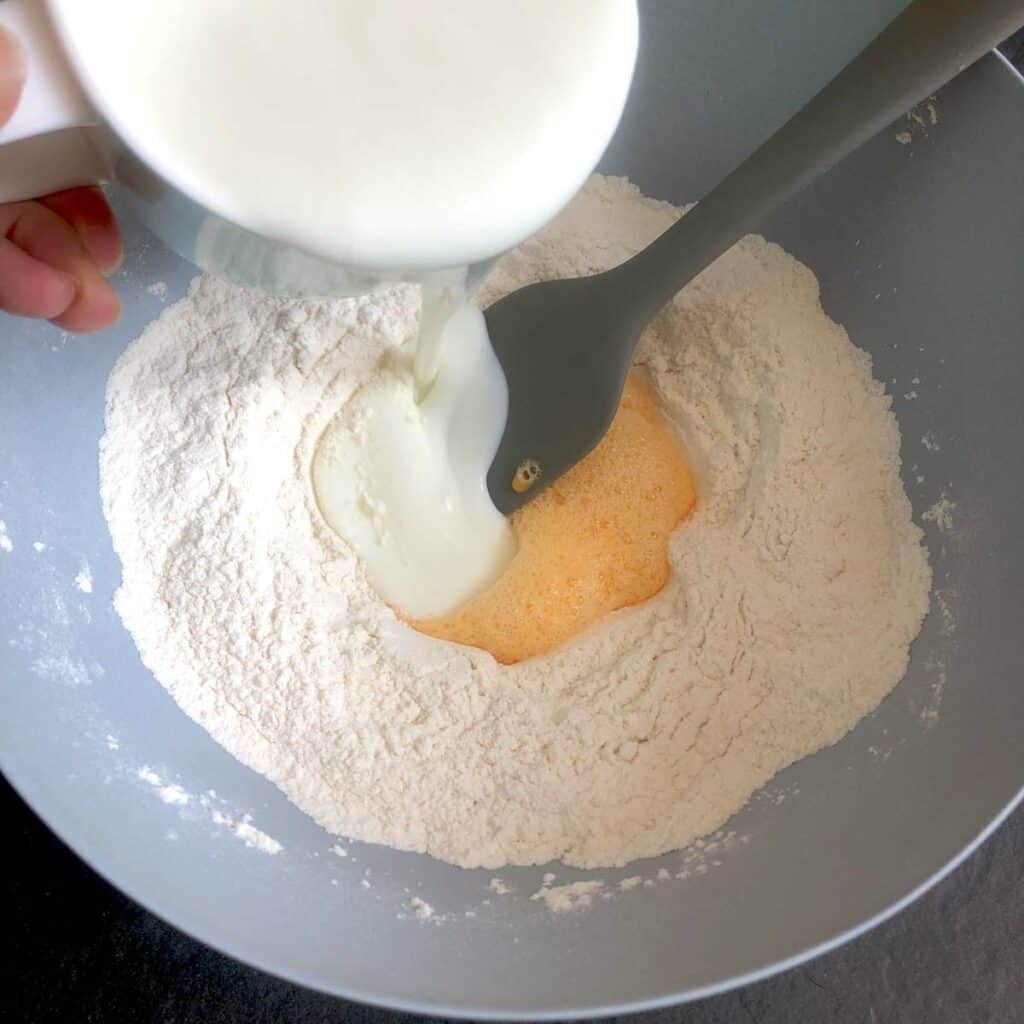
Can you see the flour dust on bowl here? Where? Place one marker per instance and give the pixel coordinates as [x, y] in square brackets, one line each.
[922, 272]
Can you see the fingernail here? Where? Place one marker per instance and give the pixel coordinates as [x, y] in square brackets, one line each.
[98, 243]
[69, 288]
[115, 306]
[115, 266]
[63, 294]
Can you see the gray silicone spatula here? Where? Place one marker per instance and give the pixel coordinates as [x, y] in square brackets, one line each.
[565, 346]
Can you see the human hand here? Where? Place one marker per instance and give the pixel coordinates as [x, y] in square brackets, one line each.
[55, 250]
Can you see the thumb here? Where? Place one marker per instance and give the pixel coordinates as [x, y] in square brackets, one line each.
[12, 74]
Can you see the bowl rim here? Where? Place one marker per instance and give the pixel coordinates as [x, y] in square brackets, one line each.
[155, 905]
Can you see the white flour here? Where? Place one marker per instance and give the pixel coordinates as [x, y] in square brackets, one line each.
[561, 899]
[211, 806]
[797, 587]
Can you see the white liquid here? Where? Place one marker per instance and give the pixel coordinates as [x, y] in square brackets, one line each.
[377, 133]
[405, 481]
[384, 135]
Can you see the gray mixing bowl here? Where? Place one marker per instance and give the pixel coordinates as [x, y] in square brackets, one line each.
[917, 241]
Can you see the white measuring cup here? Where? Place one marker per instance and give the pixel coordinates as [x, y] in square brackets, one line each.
[66, 133]
[77, 124]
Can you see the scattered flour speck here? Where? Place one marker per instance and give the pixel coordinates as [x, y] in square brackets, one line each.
[62, 667]
[941, 514]
[423, 910]
[245, 830]
[173, 794]
[242, 828]
[170, 793]
[564, 899]
[945, 600]
[255, 838]
[84, 580]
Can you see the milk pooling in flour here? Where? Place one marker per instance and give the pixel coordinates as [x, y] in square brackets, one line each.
[403, 477]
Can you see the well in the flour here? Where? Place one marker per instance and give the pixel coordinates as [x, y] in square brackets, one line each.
[594, 542]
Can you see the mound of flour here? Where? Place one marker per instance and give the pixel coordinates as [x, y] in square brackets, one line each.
[797, 587]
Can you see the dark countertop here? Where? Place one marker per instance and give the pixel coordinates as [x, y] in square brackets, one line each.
[79, 952]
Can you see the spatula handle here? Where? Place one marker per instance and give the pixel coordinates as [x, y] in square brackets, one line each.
[922, 49]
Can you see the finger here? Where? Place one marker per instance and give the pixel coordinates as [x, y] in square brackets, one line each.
[86, 210]
[31, 288]
[48, 238]
[12, 74]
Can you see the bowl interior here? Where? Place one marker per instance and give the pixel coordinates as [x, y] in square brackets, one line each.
[916, 244]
